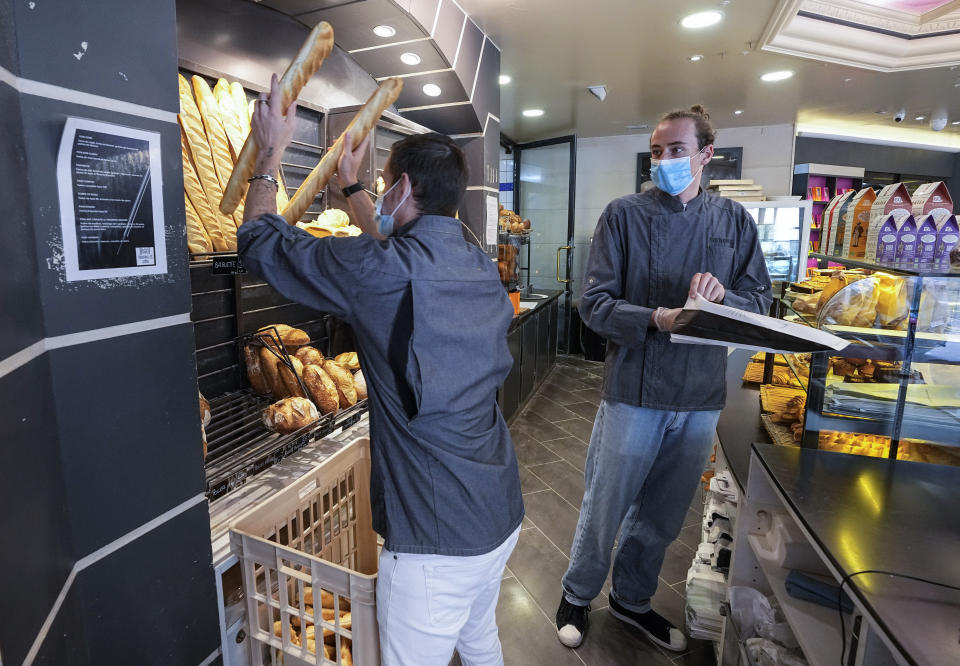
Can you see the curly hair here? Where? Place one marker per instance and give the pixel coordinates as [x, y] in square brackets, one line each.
[701, 120]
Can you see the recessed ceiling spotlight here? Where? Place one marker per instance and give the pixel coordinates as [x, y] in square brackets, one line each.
[410, 59]
[384, 31]
[701, 19]
[920, 118]
[776, 76]
[696, 58]
[504, 79]
[847, 80]
[637, 126]
[432, 89]
[533, 113]
[955, 122]
[738, 112]
[881, 112]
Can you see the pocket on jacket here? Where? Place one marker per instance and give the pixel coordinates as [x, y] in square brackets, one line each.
[721, 259]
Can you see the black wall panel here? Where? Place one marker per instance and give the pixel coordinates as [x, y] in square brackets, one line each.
[9, 59]
[447, 34]
[470, 45]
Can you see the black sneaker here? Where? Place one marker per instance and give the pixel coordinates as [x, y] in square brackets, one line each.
[572, 623]
[655, 627]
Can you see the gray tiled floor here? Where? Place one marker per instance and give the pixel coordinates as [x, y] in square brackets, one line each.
[551, 437]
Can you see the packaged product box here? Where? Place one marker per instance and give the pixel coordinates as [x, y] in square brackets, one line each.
[856, 222]
[838, 232]
[927, 236]
[894, 199]
[906, 242]
[885, 251]
[826, 221]
[948, 237]
[932, 199]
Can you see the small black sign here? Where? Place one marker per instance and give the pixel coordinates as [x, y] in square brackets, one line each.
[228, 266]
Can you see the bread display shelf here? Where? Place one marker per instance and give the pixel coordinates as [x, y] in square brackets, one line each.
[239, 445]
[899, 269]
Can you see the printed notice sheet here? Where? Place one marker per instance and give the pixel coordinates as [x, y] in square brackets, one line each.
[111, 201]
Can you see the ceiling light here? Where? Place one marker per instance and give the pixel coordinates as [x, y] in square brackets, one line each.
[696, 58]
[777, 76]
[920, 118]
[504, 79]
[847, 80]
[432, 89]
[881, 112]
[533, 113]
[384, 31]
[410, 59]
[738, 112]
[955, 122]
[637, 126]
[701, 19]
[600, 92]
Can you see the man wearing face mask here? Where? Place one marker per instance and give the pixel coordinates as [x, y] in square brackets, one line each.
[430, 318]
[658, 414]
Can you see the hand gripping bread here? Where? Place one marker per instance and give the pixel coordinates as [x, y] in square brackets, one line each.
[289, 415]
[323, 390]
[311, 55]
[346, 391]
[289, 377]
[258, 382]
[359, 127]
[310, 356]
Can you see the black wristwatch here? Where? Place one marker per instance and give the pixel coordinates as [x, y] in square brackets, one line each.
[352, 189]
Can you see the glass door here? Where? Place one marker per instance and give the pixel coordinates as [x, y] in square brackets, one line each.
[544, 191]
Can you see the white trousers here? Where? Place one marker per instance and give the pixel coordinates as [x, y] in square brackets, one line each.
[427, 605]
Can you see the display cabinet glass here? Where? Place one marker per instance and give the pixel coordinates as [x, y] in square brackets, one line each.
[894, 391]
[784, 230]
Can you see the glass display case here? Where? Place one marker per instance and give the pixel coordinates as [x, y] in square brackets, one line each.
[784, 230]
[894, 391]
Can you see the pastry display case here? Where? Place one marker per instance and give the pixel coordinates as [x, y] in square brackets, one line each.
[894, 391]
[784, 231]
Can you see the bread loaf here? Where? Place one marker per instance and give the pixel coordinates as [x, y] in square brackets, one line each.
[311, 55]
[290, 377]
[271, 375]
[359, 127]
[322, 389]
[198, 198]
[360, 384]
[292, 338]
[228, 116]
[197, 238]
[205, 415]
[349, 360]
[346, 391]
[255, 375]
[289, 415]
[216, 138]
[310, 356]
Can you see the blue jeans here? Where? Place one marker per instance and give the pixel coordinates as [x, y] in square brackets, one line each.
[642, 471]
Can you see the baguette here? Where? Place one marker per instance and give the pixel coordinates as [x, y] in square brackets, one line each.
[312, 53]
[210, 217]
[197, 238]
[322, 389]
[228, 116]
[359, 127]
[254, 371]
[192, 124]
[346, 392]
[219, 144]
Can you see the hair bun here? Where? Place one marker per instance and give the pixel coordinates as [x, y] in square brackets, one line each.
[700, 111]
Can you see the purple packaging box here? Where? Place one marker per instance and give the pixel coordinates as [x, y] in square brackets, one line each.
[907, 242]
[887, 241]
[947, 239]
[927, 236]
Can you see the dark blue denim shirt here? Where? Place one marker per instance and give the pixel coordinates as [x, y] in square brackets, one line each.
[431, 318]
[645, 250]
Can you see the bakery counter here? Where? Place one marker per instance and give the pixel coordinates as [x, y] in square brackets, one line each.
[739, 425]
[532, 339]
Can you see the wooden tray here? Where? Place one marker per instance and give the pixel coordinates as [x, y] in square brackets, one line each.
[780, 434]
[775, 398]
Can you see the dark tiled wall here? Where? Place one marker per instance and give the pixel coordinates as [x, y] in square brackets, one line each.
[100, 438]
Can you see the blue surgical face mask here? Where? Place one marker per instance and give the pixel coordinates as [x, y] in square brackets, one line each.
[385, 221]
[673, 176]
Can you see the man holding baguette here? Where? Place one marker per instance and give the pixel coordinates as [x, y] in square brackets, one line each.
[658, 414]
[431, 318]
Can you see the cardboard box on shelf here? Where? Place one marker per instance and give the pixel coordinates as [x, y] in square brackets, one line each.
[932, 199]
[839, 232]
[906, 241]
[856, 222]
[948, 237]
[827, 226]
[885, 251]
[894, 199]
[927, 233]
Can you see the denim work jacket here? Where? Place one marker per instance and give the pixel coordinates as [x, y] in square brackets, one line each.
[430, 318]
[645, 250]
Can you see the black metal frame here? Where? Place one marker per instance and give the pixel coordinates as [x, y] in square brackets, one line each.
[571, 213]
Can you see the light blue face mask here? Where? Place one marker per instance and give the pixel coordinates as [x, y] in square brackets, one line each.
[385, 221]
[673, 176]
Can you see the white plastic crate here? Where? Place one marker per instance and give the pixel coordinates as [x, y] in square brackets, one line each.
[316, 533]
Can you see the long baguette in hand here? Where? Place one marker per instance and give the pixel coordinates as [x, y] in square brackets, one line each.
[359, 127]
[311, 55]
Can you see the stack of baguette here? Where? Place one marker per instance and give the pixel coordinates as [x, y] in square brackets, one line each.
[303, 632]
[314, 385]
[214, 123]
